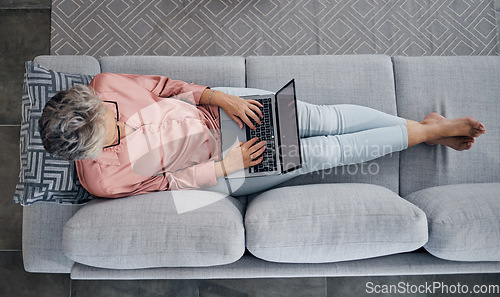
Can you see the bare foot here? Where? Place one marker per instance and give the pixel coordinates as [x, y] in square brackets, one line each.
[443, 127]
[458, 143]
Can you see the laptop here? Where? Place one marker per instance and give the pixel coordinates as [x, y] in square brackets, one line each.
[279, 129]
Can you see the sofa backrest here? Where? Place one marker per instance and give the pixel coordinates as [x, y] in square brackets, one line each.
[70, 64]
[366, 80]
[209, 71]
[454, 87]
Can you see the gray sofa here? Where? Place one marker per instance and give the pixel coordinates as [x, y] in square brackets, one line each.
[427, 210]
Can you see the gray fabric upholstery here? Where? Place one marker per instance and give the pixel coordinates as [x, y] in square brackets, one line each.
[70, 64]
[42, 237]
[251, 267]
[464, 222]
[209, 71]
[157, 230]
[363, 80]
[331, 222]
[453, 87]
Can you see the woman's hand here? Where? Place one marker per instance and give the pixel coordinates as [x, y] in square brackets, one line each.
[243, 155]
[238, 108]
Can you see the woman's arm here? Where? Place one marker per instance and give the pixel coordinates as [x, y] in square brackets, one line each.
[240, 110]
[107, 181]
[161, 86]
[240, 156]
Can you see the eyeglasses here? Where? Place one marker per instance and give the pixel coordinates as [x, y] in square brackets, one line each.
[117, 119]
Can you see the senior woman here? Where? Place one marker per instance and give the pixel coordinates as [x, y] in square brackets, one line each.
[133, 134]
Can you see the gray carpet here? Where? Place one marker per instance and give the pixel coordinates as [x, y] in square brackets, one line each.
[273, 27]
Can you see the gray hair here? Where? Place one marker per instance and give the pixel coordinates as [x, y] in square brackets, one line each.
[72, 125]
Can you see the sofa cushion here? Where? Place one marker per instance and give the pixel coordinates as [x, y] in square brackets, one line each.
[332, 222]
[44, 177]
[454, 87]
[464, 221]
[160, 229]
[366, 80]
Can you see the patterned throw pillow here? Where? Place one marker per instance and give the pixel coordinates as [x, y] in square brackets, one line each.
[43, 177]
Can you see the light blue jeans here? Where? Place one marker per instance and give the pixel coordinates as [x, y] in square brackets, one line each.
[331, 136]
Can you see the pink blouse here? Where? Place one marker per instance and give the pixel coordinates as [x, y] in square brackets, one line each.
[174, 141]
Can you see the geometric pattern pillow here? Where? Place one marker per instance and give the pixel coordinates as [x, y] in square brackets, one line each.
[43, 177]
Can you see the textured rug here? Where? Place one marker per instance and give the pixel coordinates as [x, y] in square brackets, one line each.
[273, 27]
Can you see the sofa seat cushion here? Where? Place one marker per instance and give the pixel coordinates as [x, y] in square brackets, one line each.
[160, 229]
[332, 222]
[464, 221]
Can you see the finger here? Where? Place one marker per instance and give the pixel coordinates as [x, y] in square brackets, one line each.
[255, 102]
[255, 117]
[249, 143]
[237, 121]
[258, 152]
[248, 122]
[257, 110]
[257, 146]
[256, 161]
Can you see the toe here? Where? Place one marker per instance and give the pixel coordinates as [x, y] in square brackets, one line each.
[469, 139]
[478, 130]
[478, 126]
[482, 128]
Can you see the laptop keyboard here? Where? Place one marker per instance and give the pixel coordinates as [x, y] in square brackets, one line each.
[264, 131]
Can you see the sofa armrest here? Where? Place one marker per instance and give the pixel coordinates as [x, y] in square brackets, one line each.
[42, 237]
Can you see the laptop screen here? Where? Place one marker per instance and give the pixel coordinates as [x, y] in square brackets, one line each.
[288, 128]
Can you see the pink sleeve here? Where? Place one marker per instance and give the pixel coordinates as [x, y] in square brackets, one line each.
[98, 184]
[198, 176]
[164, 87]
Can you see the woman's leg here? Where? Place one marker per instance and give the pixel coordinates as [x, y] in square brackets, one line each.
[435, 129]
[324, 152]
[328, 151]
[316, 120]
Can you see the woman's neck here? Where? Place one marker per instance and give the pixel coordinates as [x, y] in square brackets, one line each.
[125, 129]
